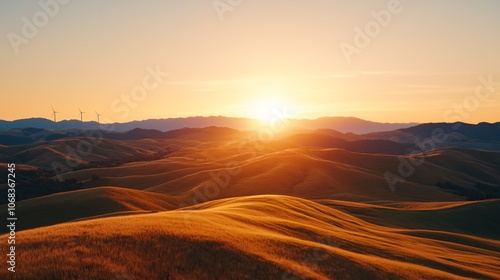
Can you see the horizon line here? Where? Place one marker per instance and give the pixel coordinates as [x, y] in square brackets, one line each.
[233, 117]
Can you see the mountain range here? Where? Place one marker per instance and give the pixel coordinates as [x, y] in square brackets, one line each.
[342, 124]
[419, 138]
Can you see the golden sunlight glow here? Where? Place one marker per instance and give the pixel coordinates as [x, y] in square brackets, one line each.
[267, 108]
[311, 57]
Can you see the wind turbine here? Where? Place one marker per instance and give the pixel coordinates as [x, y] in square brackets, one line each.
[98, 115]
[54, 113]
[81, 114]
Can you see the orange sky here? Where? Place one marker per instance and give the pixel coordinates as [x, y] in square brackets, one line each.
[416, 61]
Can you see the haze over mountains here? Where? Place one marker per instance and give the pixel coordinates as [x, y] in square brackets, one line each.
[400, 141]
[342, 124]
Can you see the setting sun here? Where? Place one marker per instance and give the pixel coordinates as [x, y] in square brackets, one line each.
[266, 109]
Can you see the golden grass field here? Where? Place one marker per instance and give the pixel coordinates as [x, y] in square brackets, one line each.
[212, 210]
[261, 237]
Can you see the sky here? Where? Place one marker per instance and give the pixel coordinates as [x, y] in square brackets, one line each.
[380, 60]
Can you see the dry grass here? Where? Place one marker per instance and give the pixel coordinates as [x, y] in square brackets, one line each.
[278, 168]
[81, 150]
[81, 204]
[301, 172]
[260, 237]
[473, 218]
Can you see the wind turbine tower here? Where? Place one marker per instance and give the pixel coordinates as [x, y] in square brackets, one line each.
[54, 114]
[98, 115]
[81, 114]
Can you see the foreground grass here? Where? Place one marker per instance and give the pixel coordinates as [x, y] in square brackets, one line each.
[262, 237]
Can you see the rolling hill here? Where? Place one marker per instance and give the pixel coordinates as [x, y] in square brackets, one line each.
[88, 204]
[196, 175]
[256, 237]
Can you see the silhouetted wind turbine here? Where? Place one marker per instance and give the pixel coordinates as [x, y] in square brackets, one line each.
[98, 115]
[81, 114]
[54, 113]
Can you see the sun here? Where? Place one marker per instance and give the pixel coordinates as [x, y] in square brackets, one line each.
[268, 108]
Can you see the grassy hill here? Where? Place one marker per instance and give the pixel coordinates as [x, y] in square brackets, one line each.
[74, 152]
[304, 172]
[88, 203]
[200, 173]
[258, 237]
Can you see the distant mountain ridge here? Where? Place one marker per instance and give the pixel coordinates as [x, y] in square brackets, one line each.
[341, 124]
[484, 136]
[20, 136]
